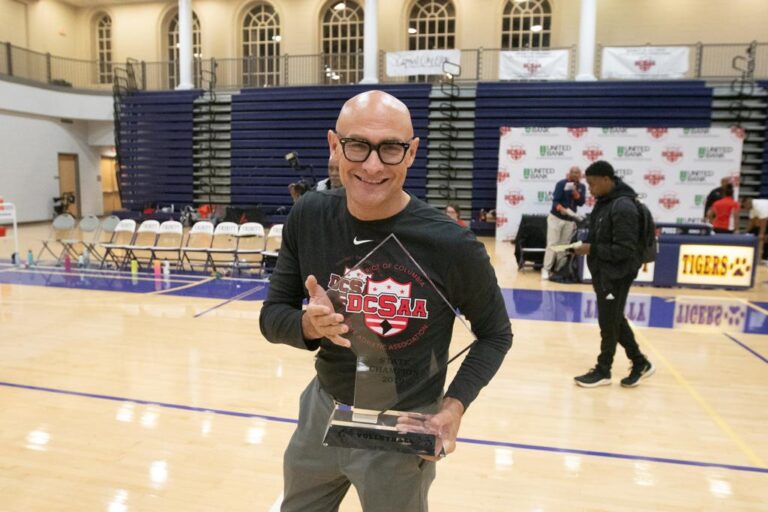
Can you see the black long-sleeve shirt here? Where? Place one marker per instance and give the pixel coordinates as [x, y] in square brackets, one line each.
[323, 239]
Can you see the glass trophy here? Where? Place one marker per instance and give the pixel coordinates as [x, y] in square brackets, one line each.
[390, 303]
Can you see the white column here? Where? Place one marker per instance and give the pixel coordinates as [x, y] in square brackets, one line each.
[587, 40]
[185, 45]
[371, 44]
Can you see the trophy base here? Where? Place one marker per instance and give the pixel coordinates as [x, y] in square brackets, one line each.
[344, 431]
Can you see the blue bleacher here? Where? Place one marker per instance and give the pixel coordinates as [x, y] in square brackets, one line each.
[268, 123]
[764, 173]
[665, 104]
[156, 148]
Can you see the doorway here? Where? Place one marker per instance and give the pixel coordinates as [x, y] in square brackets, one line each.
[109, 190]
[69, 184]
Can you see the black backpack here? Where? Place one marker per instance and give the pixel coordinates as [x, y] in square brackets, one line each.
[648, 241]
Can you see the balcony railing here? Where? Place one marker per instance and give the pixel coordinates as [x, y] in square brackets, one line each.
[707, 61]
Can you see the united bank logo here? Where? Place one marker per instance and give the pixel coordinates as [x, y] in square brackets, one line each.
[577, 133]
[695, 177]
[537, 130]
[592, 153]
[696, 132]
[623, 173]
[538, 173]
[633, 152]
[698, 200]
[714, 152]
[645, 64]
[544, 197]
[514, 198]
[672, 154]
[657, 133]
[669, 201]
[555, 150]
[516, 152]
[502, 176]
[614, 131]
[654, 178]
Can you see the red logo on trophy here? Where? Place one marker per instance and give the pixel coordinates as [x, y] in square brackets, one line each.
[577, 133]
[669, 201]
[657, 133]
[516, 152]
[672, 154]
[514, 197]
[654, 177]
[645, 64]
[592, 153]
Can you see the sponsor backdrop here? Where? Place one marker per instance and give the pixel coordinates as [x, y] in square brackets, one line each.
[534, 65]
[671, 169]
[645, 62]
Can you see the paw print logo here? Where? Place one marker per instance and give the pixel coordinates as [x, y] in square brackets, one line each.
[734, 315]
[739, 267]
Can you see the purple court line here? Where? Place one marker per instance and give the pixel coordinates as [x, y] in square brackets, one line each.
[481, 442]
[744, 346]
[236, 297]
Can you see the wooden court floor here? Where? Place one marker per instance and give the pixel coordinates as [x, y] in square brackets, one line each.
[152, 400]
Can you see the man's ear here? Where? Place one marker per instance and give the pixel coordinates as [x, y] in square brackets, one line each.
[412, 152]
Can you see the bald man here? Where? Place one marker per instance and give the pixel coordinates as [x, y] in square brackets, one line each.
[329, 232]
[569, 194]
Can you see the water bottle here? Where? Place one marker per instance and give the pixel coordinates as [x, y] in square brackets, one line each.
[30, 258]
[134, 268]
[67, 263]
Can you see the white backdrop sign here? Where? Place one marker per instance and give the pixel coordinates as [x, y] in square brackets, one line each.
[420, 62]
[645, 62]
[671, 169]
[527, 65]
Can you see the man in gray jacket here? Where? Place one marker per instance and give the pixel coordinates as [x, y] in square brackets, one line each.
[613, 257]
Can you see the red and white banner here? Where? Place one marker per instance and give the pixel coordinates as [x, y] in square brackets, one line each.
[420, 62]
[645, 62]
[671, 169]
[534, 65]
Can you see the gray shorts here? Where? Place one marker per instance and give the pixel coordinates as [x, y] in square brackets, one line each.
[317, 477]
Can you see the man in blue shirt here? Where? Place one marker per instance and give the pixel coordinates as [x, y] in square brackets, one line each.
[569, 194]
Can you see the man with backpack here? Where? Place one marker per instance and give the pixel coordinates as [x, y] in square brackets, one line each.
[616, 247]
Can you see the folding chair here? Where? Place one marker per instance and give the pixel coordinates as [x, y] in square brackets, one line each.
[223, 250]
[531, 241]
[198, 242]
[168, 242]
[104, 235]
[63, 228]
[88, 232]
[116, 249]
[272, 247]
[146, 239]
[250, 246]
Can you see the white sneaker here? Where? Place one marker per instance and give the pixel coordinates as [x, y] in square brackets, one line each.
[544, 275]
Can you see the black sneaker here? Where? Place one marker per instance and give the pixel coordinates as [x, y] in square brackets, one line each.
[593, 378]
[638, 373]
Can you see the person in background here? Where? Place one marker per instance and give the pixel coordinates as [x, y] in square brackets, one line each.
[612, 252]
[715, 194]
[724, 213]
[333, 180]
[454, 211]
[569, 194]
[758, 219]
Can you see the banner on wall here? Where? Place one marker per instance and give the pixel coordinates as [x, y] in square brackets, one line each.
[420, 62]
[645, 62]
[539, 65]
[671, 169]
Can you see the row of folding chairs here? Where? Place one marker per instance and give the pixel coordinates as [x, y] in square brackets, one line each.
[227, 246]
[78, 240]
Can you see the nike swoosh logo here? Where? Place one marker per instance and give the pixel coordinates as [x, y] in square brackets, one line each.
[360, 242]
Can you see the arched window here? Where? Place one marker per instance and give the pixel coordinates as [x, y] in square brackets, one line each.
[526, 24]
[104, 48]
[342, 33]
[261, 46]
[432, 25]
[173, 49]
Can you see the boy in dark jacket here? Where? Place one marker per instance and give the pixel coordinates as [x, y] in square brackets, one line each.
[614, 260]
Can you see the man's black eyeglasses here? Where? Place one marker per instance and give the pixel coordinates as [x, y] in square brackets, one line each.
[358, 150]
